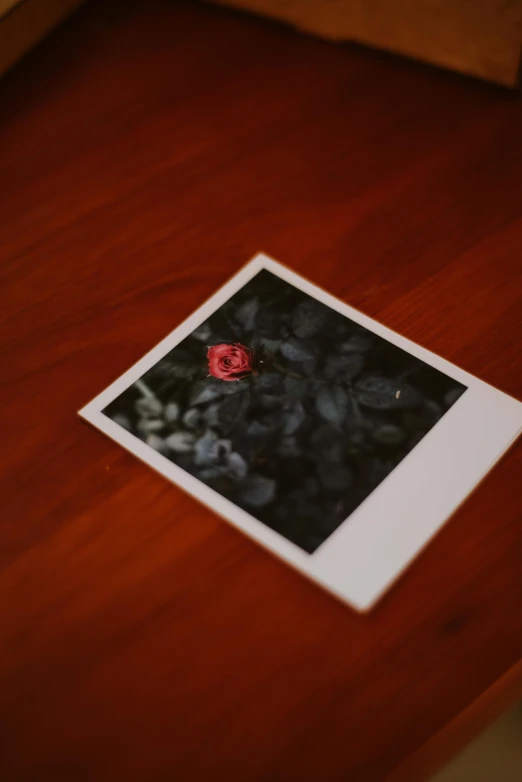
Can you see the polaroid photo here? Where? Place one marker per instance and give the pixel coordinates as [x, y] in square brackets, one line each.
[336, 443]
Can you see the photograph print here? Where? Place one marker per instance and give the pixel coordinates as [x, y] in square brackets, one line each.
[289, 409]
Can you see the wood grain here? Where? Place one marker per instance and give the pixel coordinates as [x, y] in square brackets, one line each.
[148, 150]
[483, 38]
[24, 22]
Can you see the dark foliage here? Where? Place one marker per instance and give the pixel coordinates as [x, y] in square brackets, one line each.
[327, 414]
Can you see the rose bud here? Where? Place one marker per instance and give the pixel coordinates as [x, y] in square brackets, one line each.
[230, 362]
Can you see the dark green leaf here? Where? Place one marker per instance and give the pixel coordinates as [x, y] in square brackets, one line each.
[424, 418]
[296, 386]
[332, 403]
[234, 327]
[204, 391]
[308, 318]
[258, 429]
[232, 410]
[327, 443]
[209, 473]
[271, 383]
[293, 417]
[149, 425]
[257, 490]
[237, 466]
[246, 314]
[204, 452]
[288, 447]
[218, 338]
[180, 442]
[223, 330]
[269, 401]
[356, 344]
[309, 366]
[202, 333]
[267, 324]
[180, 369]
[343, 368]
[378, 385]
[382, 393]
[171, 412]
[192, 418]
[270, 345]
[375, 401]
[211, 415]
[149, 407]
[389, 434]
[356, 436]
[296, 350]
[336, 479]
[229, 387]
[211, 389]
[353, 366]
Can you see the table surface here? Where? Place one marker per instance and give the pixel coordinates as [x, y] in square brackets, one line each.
[148, 150]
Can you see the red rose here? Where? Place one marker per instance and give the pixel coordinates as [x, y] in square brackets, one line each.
[230, 362]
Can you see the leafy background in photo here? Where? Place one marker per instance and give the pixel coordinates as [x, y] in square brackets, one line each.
[299, 444]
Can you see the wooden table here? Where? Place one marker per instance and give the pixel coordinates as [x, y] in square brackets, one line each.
[148, 150]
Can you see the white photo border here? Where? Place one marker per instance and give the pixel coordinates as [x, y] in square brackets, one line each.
[369, 550]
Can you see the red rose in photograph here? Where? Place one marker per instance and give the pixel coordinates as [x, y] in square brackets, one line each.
[230, 362]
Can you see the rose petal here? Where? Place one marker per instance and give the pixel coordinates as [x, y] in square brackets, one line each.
[229, 362]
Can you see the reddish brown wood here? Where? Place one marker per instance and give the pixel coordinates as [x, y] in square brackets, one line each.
[441, 747]
[147, 151]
